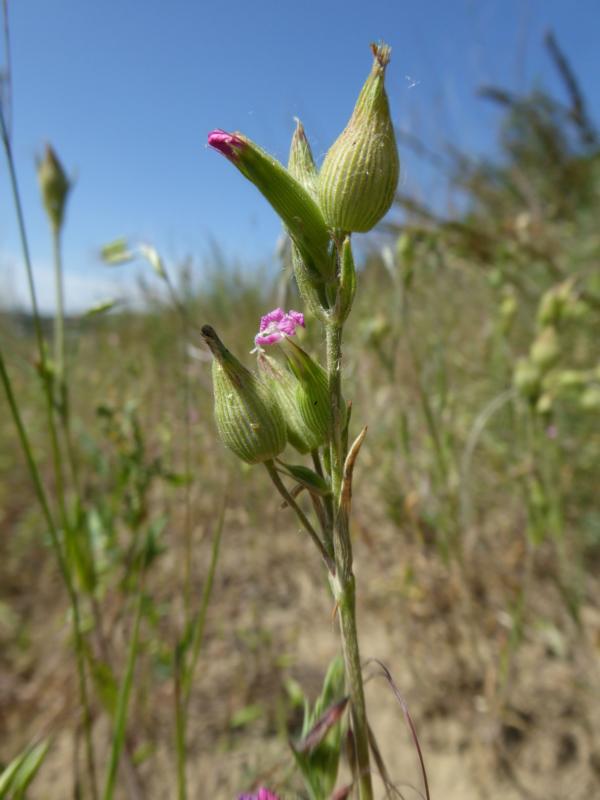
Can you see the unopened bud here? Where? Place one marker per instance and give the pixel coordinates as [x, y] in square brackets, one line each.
[301, 164]
[360, 172]
[527, 379]
[299, 212]
[590, 399]
[54, 186]
[545, 350]
[310, 285]
[302, 167]
[248, 418]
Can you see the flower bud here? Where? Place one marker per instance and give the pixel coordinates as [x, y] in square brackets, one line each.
[54, 186]
[590, 399]
[287, 389]
[312, 396]
[527, 379]
[292, 202]
[310, 285]
[545, 350]
[248, 418]
[301, 164]
[302, 167]
[360, 172]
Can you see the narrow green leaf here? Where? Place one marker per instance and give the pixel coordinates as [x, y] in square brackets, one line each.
[306, 477]
[101, 308]
[22, 770]
[153, 258]
[117, 252]
[246, 715]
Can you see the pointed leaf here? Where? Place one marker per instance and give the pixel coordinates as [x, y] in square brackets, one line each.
[307, 478]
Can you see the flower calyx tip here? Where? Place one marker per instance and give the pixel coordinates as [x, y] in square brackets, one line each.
[228, 144]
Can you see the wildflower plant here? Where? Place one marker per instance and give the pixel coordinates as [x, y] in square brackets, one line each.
[291, 398]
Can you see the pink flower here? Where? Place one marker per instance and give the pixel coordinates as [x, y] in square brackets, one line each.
[276, 325]
[226, 143]
[262, 794]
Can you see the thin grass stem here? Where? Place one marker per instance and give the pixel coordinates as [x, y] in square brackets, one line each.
[280, 486]
[63, 568]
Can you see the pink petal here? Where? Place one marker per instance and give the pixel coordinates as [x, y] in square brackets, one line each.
[298, 317]
[268, 338]
[226, 143]
[276, 325]
[265, 794]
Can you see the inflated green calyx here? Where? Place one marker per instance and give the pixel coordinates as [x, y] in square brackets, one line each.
[358, 179]
[249, 420]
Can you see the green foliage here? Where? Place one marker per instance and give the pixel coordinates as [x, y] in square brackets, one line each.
[21, 771]
[318, 760]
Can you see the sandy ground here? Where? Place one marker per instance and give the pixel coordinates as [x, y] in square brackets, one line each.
[489, 728]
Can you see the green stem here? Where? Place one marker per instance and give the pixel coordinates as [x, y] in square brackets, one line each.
[56, 456]
[328, 501]
[198, 632]
[118, 737]
[184, 673]
[37, 325]
[180, 735]
[280, 486]
[59, 316]
[342, 582]
[63, 568]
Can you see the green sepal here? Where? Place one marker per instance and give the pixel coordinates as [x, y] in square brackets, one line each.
[301, 164]
[310, 285]
[299, 212]
[287, 389]
[312, 396]
[359, 175]
[347, 286]
[249, 420]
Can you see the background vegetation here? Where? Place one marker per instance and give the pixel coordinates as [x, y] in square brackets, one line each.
[473, 357]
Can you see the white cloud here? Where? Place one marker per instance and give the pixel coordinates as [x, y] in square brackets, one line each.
[83, 290]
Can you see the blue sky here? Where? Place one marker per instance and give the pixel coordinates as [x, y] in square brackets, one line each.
[127, 91]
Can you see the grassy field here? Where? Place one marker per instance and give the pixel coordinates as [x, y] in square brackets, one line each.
[472, 356]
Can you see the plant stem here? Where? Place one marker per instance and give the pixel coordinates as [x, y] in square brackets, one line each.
[342, 582]
[118, 737]
[280, 486]
[56, 458]
[59, 315]
[184, 670]
[328, 502]
[63, 568]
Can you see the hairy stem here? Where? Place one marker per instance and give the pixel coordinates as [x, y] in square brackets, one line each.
[342, 582]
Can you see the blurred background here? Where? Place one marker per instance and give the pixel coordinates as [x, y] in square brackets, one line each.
[471, 353]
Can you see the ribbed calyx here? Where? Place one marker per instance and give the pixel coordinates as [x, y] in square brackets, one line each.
[249, 420]
[301, 164]
[312, 395]
[360, 172]
[301, 434]
[298, 210]
[54, 187]
[302, 167]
